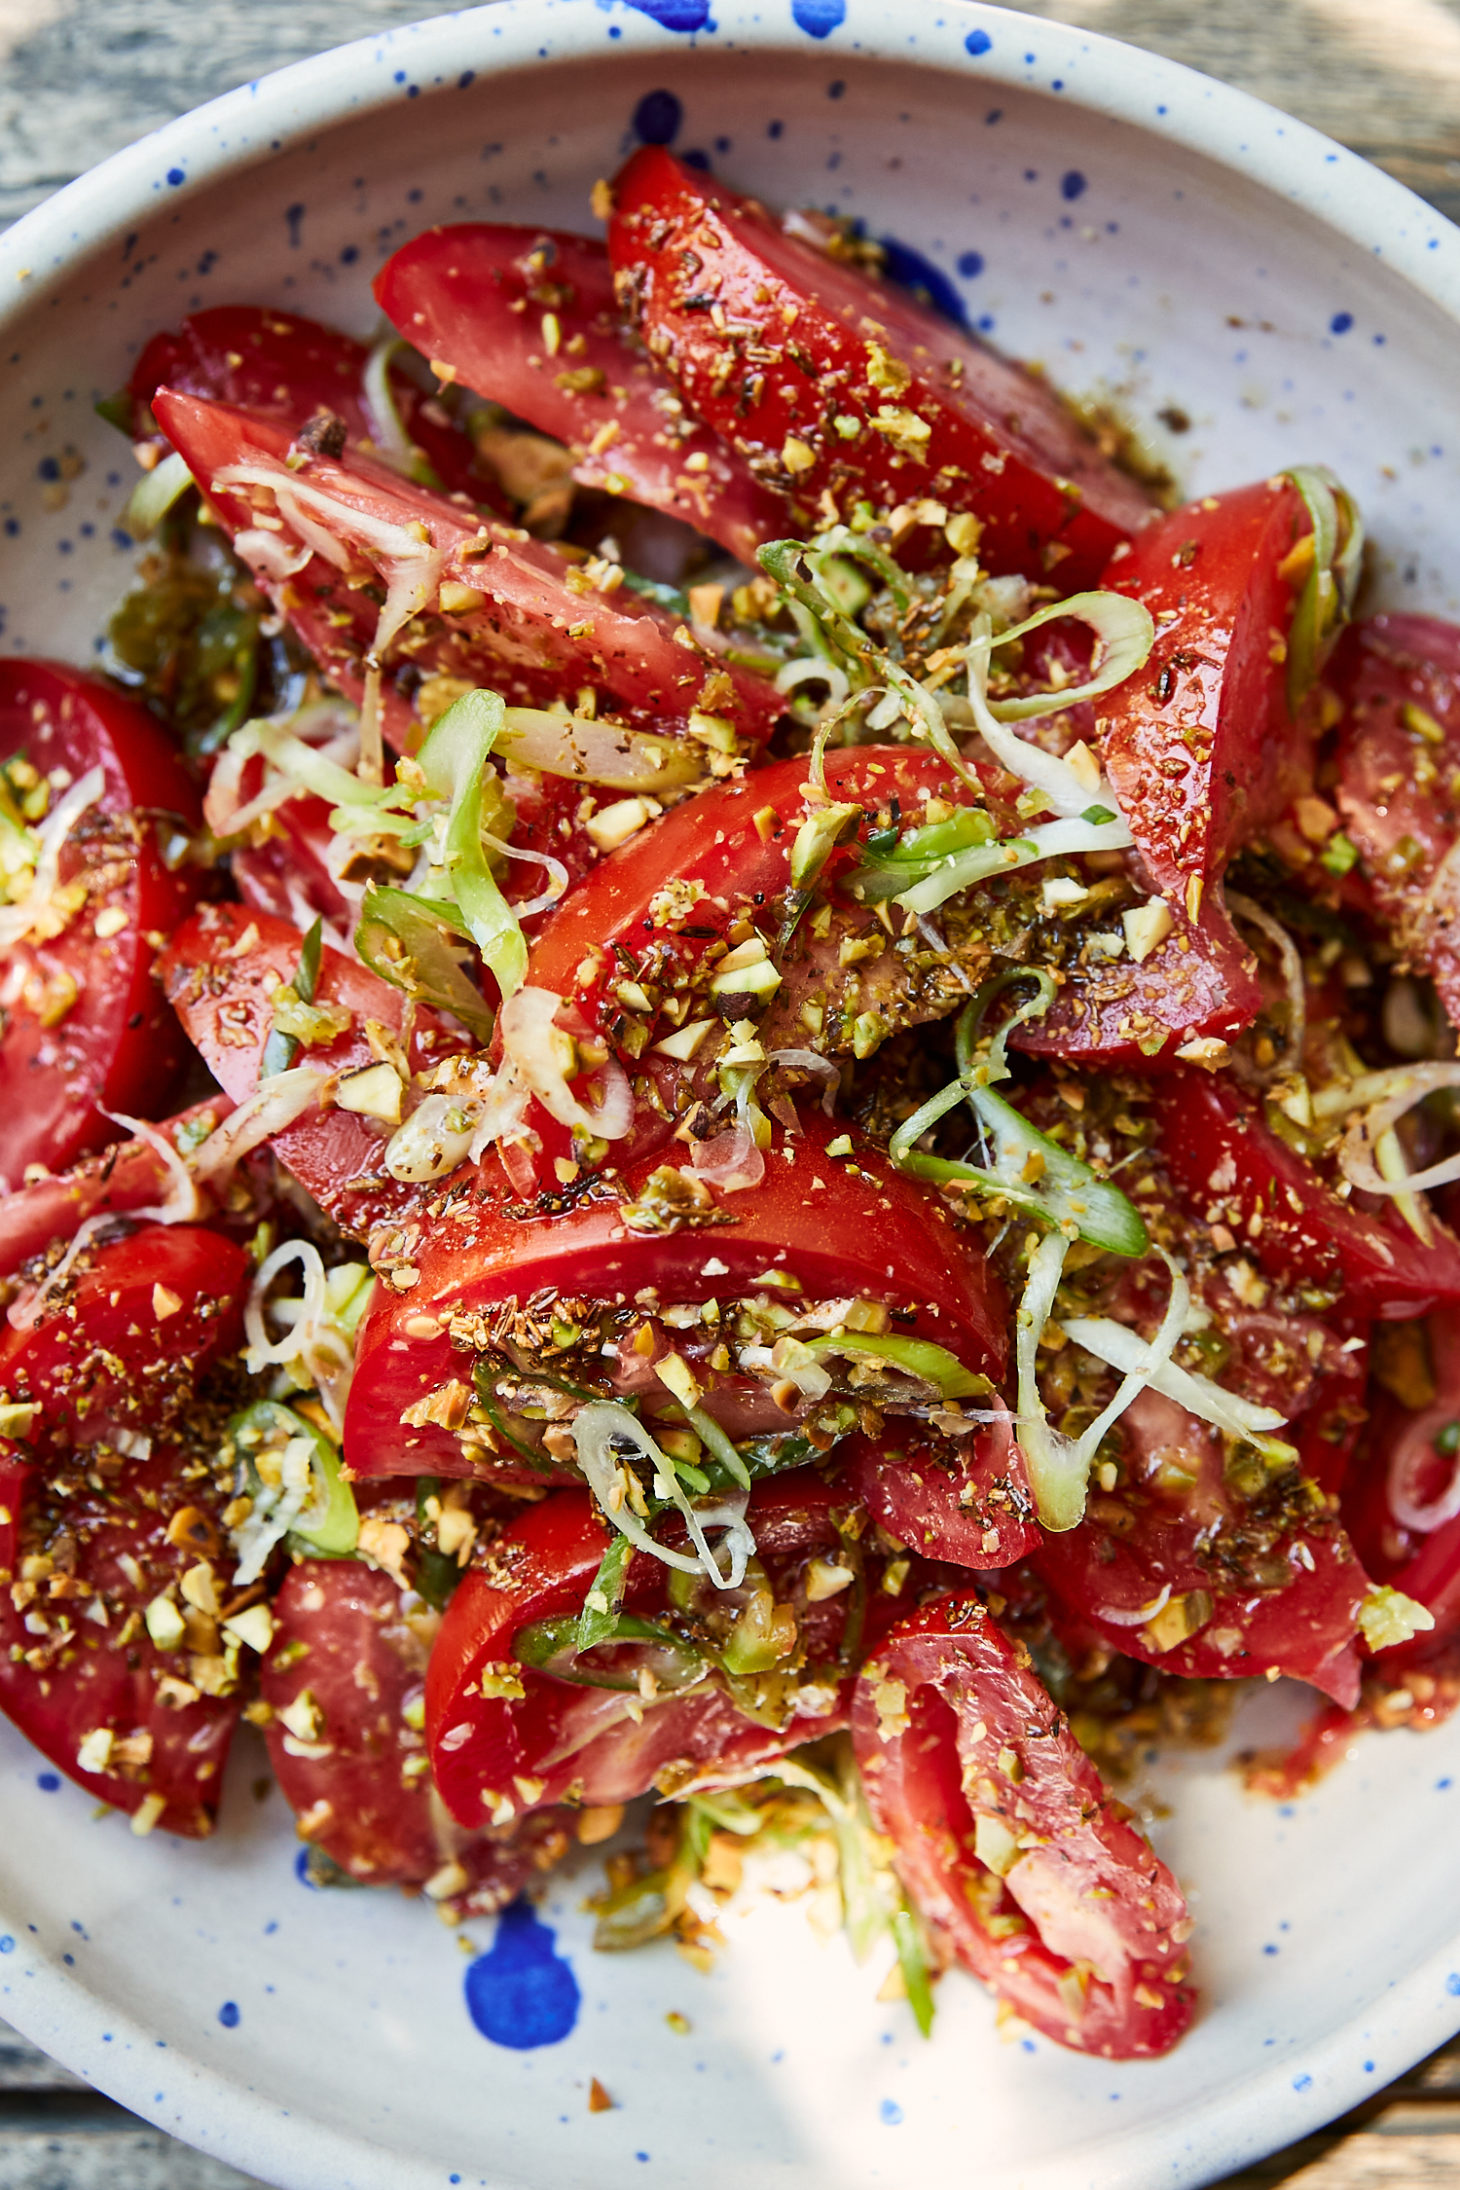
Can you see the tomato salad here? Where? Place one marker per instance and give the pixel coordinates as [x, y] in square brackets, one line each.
[731, 1078]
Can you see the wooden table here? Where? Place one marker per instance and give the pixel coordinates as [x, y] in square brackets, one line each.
[79, 78]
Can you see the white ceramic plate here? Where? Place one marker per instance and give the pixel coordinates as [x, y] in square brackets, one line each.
[1147, 234]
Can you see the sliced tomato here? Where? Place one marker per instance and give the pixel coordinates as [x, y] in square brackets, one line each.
[1008, 1842]
[221, 971]
[1200, 983]
[85, 1026]
[84, 1555]
[1201, 745]
[1398, 678]
[1228, 1167]
[817, 1227]
[968, 1502]
[262, 359]
[500, 1755]
[518, 625]
[126, 1177]
[1175, 1567]
[1399, 1506]
[345, 1681]
[119, 1345]
[527, 317]
[833, 385]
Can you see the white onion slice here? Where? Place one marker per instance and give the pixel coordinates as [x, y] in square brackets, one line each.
[274, 1104]
[731, 1161]
[18, 921]
[1120, 1347]
[530, 1037]
[596, 1430]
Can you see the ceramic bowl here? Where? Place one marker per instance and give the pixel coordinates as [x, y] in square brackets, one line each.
[1251, 296]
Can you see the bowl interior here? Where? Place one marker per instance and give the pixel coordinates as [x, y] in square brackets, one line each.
[1240, 332]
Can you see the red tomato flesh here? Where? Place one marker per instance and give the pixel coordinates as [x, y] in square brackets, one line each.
[220, 973]
[836, 1226]
[102, 1540]
[1399, 753]
[1201, 746]
[86, 1028]
[518, 628]
[1227, 1166]
[496, 1756]
[121, 1342]
[832, 384]
[347, 1661]
[1064, 1911]
[526, 316]
[967, 1501]
[261, 359]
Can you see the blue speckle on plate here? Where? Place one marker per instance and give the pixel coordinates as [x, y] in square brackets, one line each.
[521, 1992]
[7, 1944]
[1073, 184]
[1340, 323]
[890, 2112]
[818, 18]
[675, 14]
[228, 2015]
[978, 41]
[1302, 2083]
[175, 176]
[1452, 1983]
[657, 118]
[49, 1783]
[910, 270]
[970, 264]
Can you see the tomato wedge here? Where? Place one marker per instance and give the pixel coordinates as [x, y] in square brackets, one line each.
[515, 614]
[259, 358]
[118, 1346]
[968, 1502]
[221, 971]
[499, 1753]
[1201, 983]
[527, 317]
[818, 1228]
[1228, 1167]
[833, 385]
[1008, 1842]
[1201, 745]
[126, 1177]
[85, 1555]
[344, 1679]
[85, 1027]
[1399, 748]
[1180, 1570]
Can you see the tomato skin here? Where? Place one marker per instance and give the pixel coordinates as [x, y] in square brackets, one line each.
[219, 972]
[262, 359]
[359, 1790]
[495, 1756]
[839, 1226]
[473, 297]
[1222, 1157]
[999, 444]
[978, 1512]
[1395, 789]
[952, 1731]
[58, 1686]
[1130, 1548]
[1201, 747]
[116, 1046]
[123, 1342]
[531, 637]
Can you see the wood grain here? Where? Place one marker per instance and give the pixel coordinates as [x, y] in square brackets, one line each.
[81, 78]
